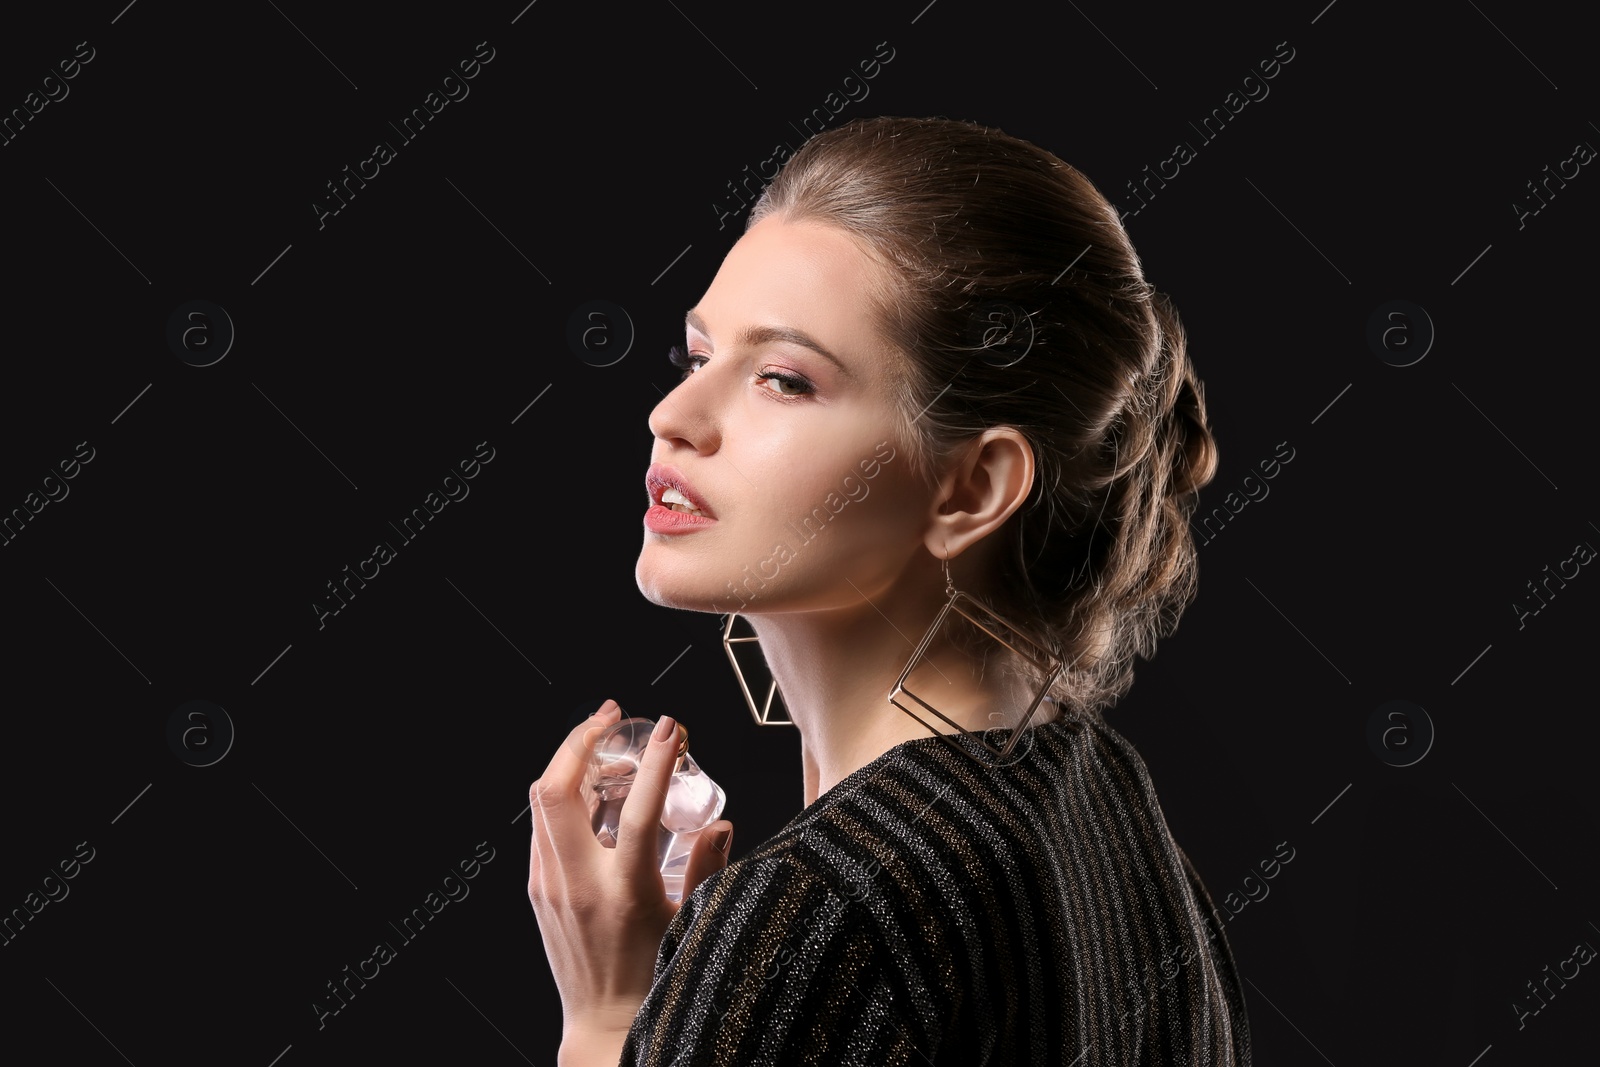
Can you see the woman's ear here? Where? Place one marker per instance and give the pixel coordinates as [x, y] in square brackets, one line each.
[988, 482]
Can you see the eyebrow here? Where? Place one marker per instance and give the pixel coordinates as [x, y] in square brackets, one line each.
[751, 336]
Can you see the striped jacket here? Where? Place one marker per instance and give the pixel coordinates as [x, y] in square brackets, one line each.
[934, 909]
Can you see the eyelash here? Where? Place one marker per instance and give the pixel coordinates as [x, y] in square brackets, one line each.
[687, 363]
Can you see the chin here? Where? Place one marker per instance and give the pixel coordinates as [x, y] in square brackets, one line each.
[662, 591]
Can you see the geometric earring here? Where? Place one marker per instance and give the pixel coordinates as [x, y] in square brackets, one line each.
[764, 716]
[1046, 663]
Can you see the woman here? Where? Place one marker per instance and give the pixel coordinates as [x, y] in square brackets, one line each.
[931, 366]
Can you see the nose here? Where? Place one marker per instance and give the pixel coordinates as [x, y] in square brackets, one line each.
[684, 414]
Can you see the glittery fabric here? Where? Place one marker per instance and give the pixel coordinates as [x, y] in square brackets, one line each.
[930, 909]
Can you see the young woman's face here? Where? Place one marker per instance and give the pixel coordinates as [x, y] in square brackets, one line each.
[799, 461]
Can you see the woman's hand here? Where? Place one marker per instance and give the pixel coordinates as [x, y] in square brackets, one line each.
[602, 911]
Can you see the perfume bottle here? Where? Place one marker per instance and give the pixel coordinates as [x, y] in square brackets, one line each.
[693, 801]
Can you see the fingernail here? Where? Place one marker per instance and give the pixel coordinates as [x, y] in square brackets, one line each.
[720, 840]
[665, 728]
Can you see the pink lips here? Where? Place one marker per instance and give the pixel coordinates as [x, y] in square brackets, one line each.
[660, 477]
[662, 519]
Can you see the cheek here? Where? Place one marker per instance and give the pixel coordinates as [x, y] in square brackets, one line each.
[859, 518]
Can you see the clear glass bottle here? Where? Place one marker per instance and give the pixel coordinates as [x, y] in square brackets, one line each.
[693, 801]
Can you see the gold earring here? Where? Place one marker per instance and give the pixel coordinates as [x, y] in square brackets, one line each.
[764, 716]
[981, 616]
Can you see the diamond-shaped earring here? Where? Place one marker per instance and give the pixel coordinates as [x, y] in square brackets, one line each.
[764, 716]
[979, 615]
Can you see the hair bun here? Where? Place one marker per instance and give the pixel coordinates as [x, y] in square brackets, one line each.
[1194, 462]
[1192, 448]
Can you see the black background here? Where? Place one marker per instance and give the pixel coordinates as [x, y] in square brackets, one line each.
[373, 754]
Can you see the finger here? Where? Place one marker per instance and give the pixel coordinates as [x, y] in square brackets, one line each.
[549, 815]
[551, 801]
[564, 774]
[563, 829]
[638, 826]
[706, 859]
[554, 795]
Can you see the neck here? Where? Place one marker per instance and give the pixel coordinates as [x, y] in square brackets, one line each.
[835, 670]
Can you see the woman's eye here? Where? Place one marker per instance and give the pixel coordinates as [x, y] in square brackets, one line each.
[689, 363]
[787, 380]
[683, 361]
